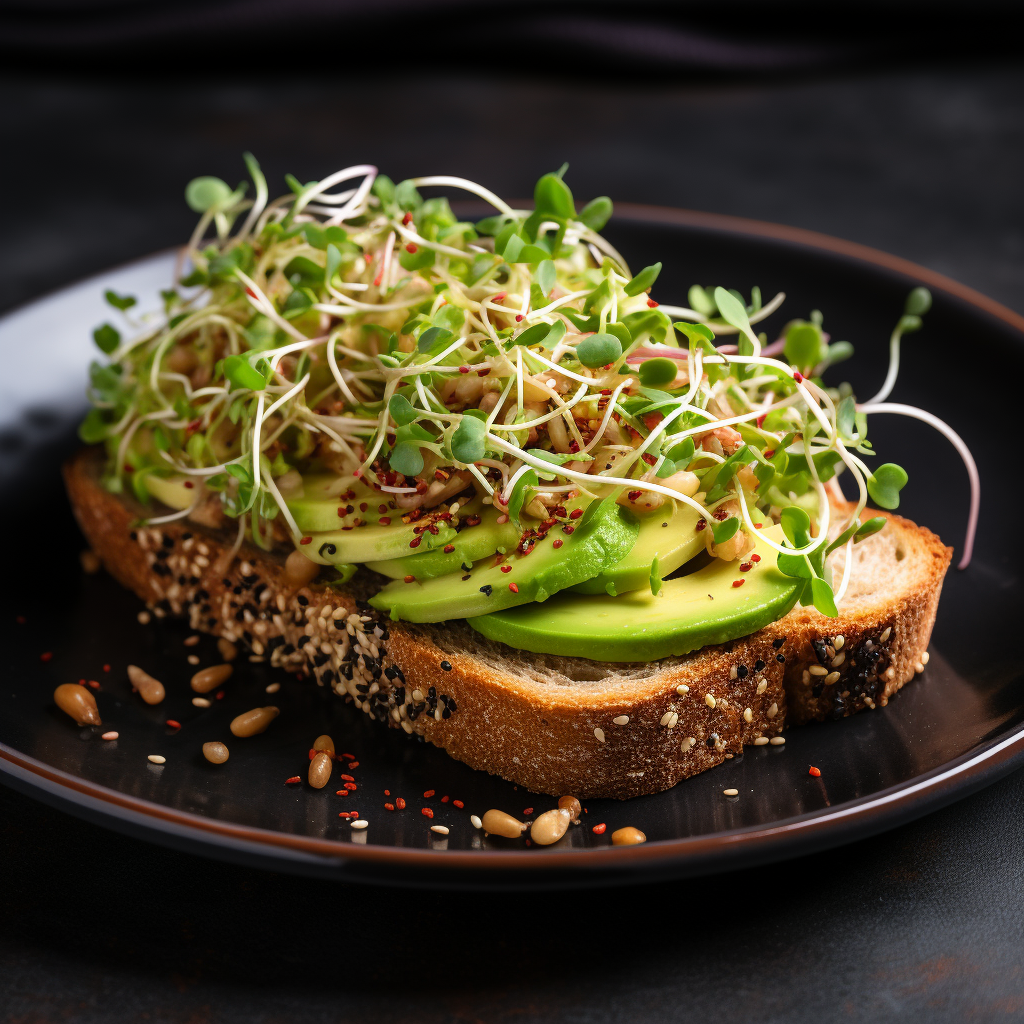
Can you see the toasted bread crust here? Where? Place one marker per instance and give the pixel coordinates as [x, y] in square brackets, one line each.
[545, 723]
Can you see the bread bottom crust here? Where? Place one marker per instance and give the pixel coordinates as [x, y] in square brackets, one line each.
[552, 725]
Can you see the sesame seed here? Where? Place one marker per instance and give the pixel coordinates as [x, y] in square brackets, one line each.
[687, 744]
[748, 715]
[599, 733]
[273, 687]
[925, 658]
[762, 686]
[761, 741]
[837, 644]
[818, 670]
[732, 672]
[773, 710]
[621, 720]
[777, 741]
[832, 677]
[918, 667]
[109, 735]
[440, 829]
[709, 699]
[682, 689]
[143, 617]
[359, 823]
[200, 702]
[191, 641]
[885, 634]
[475, 821]
[193, 659]
[730, 792]
[157, 758]
[839, 659]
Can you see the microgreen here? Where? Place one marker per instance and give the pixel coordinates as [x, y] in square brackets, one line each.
[121, 302]
[107, 338]
[658, 372]
[599, 350]
[642, 281]
[885, 484]
[597, 213]
[725, 529]
[204, 194]
[469, 442]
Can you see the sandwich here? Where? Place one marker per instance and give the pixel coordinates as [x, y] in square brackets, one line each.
[474, 479]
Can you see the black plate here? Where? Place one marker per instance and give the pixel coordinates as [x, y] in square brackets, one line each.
[953, 730]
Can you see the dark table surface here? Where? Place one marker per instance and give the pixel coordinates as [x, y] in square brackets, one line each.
[924, 923]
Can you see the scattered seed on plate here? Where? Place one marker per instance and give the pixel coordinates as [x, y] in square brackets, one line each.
[109, 736]
[215, 752]
[273, 687]
[777, 741]
[193, 659]
[360, 823]
[730, 792]
[816, 772]
[440, 829]
[200, 702]
[599, 829]
[144, 618]
[157, 758]
[191, 641]
[475, 821]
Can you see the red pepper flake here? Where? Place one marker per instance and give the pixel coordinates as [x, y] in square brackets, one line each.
[755, 558]
[312, 753]
[797, 376]
[415, 542]
[506, 568]
[220, 695]
[816, 772]
[292, 780]
[459, 804]
[250, 292]
[449, 548]
[342, 792]
[651, 304]
[410, 579]
[428, 794]
[384, 520]
[173, 723]
[348, 778]
[483, 373]
[557, 542]
[527, 810]
[498, 297]
[599, 829]
[348, 757]
[306, 540]
[519, 316]
[514, 588]
[762, 418]
[426, 812]
[389, 807]
[351, 786]
[46, 656]
[701, 524]
[407, 219]
[568, 529]
[400, 804]
[746, 567]
[354, 764]
[444, 799]
[106, 668]
[93, 684]
[189, 485]
[387, 792]
[633, 495]
[576, 513]
[411, 247]
[738, 583]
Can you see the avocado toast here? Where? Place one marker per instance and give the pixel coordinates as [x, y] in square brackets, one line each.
[474, 479]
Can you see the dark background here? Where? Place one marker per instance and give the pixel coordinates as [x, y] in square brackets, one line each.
[903, 128]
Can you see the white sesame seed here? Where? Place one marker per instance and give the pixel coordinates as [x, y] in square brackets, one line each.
[143, 617]
[890, 673]
[359, 823]
[200, 702]
[748, 715]
[157, 758]
[805, 678]
[109, 735]
[762, 686]
[838, 642]
[673, 721]
[773, 710]
[761, 741]
[925, 658]
[621, 720]
[441, 829]
[885, 634]
[709, 699]
[730, 792]
[682, 689]
[777, 741]
[818, 670]
[475, 821]
[193, 659]
[832, 677]
[191, 641]
[666, 718]
[599, 733]
[918, 667]
[839, 659]
[733, 673]
[417, 695]
[273, 687]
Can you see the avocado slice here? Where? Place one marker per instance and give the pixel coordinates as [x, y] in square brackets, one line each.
[669, 534]
[470, 545]
[601, 536]
[171, 490]
[319, 505]
[688, 613]
[374, 542]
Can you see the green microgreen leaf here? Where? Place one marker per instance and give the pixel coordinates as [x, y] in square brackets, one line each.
[598, 350]
[434, 337]
[558, 458]
[546, 276]
[885, 484]
[518, 495]
[724, 530]
[919, 301]
[846, 417]
[823, 598]
[202, 194]
[121, 302]
[597, 213]
[683, 452]
[732, 309]
[909, 324]
[407, 197]
[407, 459]
[333, 263]
[552, 196]
[384, 189]
[644, 280]
[700, 301]
[242, 375]
[838, 352]
[870, 527]
[469, 442]
[796, 525]
[699, 334]
[547, 335]
[804, 346]
[401, 410]
[107, 338]
[658, 372]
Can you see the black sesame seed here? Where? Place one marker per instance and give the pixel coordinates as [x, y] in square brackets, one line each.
[712, 739]
[758, 665]
[302, 599]
[133, 535]
[486, 590]
[741, 671]
[778, 643]
[780, 658]
[446, 666]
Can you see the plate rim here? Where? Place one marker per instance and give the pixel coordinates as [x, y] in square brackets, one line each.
[975, 768]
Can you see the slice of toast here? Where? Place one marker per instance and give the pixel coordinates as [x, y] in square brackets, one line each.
[554, 725]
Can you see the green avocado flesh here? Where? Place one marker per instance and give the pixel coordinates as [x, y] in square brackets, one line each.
[373, 542]
[689, 613]
[321, 506]
[470, 545]
[602, 535]
[670, 534]
[171, 490]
